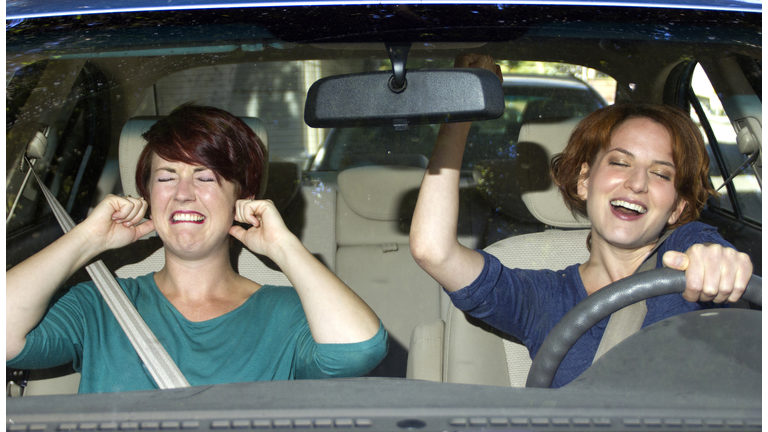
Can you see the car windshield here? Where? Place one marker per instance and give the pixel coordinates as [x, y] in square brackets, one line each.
[82, 79]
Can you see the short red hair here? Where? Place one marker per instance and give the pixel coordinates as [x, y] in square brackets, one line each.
[594, 133]
[209, 137]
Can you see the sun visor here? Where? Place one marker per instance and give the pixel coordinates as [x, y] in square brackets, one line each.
[427, 96]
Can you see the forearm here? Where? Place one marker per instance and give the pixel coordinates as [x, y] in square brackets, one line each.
[433, 239]
[334, 312]
[31, 284]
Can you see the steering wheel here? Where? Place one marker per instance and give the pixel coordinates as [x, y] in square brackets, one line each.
[604, 302]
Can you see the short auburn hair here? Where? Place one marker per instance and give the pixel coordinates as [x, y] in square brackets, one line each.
[209, 137]
[594, 134]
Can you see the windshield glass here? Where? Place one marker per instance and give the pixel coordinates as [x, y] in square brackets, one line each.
[82, 89]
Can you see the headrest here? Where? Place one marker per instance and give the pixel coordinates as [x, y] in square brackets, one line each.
[131, 144]
[283, 184]
[546, 204]
[502, 182]
[384, 193]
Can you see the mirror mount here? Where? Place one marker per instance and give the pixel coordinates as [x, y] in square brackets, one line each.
[398, 54]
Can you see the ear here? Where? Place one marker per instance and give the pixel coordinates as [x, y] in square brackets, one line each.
[677, 212]
[581, 187]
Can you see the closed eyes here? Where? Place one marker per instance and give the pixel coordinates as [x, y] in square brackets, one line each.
[661, 174]
[664, 176]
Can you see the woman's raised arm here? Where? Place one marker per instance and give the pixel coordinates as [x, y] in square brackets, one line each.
[31, 284]
[433, 239]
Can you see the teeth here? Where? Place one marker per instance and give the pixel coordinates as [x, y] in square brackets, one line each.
[635, 207]
[188, 217]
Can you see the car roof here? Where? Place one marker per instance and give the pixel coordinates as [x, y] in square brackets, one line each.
[20, 9]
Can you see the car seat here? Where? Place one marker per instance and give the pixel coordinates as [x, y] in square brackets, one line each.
[461, 349]
[374, 212]
[375, 207]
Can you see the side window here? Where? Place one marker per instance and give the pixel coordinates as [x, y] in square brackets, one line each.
[77, 148]
[742, 197]
[19, 89]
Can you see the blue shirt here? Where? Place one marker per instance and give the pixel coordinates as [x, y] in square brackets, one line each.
[528, 303]
[265, 338]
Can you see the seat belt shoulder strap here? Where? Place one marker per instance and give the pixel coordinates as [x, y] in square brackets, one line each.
[627, 321]
[159, 364]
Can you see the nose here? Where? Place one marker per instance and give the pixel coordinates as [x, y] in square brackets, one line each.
[637, 181]
[185, 190]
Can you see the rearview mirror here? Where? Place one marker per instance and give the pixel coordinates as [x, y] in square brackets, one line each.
[428, 96]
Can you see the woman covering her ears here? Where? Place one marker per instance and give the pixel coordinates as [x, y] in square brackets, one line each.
[200, 172]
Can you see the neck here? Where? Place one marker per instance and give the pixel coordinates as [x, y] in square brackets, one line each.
[209, 277]
[608, 264]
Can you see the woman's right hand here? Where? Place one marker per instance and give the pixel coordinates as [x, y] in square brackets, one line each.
[115, 222]
[482, 61]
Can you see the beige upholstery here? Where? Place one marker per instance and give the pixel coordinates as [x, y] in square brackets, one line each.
[375, 206]
[547, 205]
[311, 215]
[65, 384]
[468, 351]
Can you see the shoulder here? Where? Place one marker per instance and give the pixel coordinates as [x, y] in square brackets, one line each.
[132, 287]
[692, 233]
[495, 263]
[693, 229]
[144, 285]
[541, 282]
[276, 299]
[277, 292]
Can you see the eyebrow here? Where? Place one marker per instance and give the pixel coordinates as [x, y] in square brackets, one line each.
[658, 162]
[172, 170]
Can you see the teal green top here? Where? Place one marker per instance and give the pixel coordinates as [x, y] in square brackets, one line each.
[266, 338]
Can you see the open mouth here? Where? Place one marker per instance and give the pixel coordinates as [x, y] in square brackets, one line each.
[187, 218]
[624, 207]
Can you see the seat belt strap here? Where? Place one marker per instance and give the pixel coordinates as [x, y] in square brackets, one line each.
[156, 359]
[627, 321]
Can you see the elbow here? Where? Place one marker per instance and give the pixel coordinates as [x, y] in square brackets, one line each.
[427, 254]
[420, 249]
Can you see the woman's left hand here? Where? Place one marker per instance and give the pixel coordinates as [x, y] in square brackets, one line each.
[334, 312]
[712, 272]
[267, 231]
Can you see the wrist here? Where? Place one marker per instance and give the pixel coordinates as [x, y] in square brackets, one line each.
[285, 247]
[83, 241]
